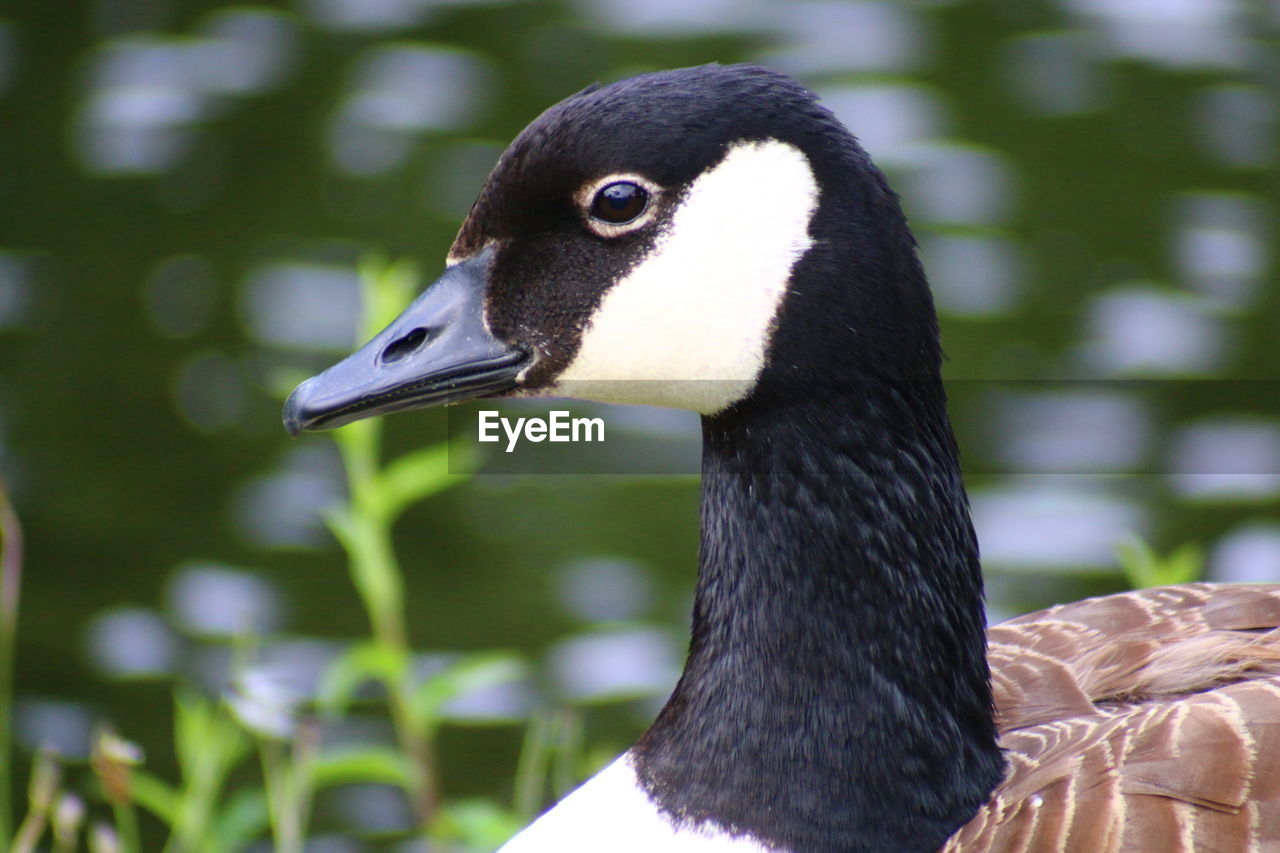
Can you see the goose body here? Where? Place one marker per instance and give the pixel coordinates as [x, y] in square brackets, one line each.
[713, 239]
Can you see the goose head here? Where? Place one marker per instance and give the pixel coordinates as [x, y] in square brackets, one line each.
[694, 238]
[714, 239]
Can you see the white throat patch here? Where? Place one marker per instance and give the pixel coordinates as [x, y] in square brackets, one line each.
[688, 327]
[611, 813]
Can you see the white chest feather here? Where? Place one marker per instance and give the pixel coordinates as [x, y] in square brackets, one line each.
[611, 812]
[689, 326]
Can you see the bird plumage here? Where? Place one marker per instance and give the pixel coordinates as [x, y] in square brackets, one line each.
[1143, 721]
[841, 693]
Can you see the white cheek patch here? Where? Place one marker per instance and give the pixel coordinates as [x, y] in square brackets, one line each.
[611, 813]
[689, 326]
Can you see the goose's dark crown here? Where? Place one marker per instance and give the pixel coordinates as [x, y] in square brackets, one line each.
[550, 273]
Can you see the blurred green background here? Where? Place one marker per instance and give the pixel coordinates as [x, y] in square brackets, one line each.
[186, 189]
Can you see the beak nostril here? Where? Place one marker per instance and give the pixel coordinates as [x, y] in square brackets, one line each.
[404, 346]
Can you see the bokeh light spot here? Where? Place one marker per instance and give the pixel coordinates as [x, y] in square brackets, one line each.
[213, 600]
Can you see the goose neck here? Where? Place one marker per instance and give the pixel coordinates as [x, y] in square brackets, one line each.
[836, 696]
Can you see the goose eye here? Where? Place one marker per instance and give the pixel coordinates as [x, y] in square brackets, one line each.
[619, 203]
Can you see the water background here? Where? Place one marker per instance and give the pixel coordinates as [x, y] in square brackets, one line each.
[186, 189]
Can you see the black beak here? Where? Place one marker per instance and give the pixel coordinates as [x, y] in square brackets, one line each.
[438, 351]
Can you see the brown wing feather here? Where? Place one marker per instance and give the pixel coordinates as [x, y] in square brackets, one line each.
[1146, 722]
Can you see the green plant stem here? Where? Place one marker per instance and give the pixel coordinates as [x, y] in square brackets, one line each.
[377, 576]
[305, 745]
[42, 793]
[420, 752]
[272, 774]
[566, 768]
[289, 788]
[126, 827]
[10, 586]
[199, 802]
[29, 832]
[373, 563]
[202, 782]
[531, 771]
[366, 534]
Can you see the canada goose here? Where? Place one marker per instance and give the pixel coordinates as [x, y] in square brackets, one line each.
[717, 233]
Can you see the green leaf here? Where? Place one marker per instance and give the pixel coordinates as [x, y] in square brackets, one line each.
[362, 662]
[480, 825]
[155, 795]
[366, 764]
[208, 740]
[414, 477]
[1184, 565]
[192, 729]
[473, 672]
[1143, 567]
[243, 819]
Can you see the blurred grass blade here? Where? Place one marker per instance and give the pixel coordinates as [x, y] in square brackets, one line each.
[156, 796]
[42, 791]
[10, 588]
[414, 477]
[359, 664]
[210, 745]
[569, 758]
[242, 819]
[535, 759]
[473, 672]
[358, 765]
[289, 786]
[551, 757]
